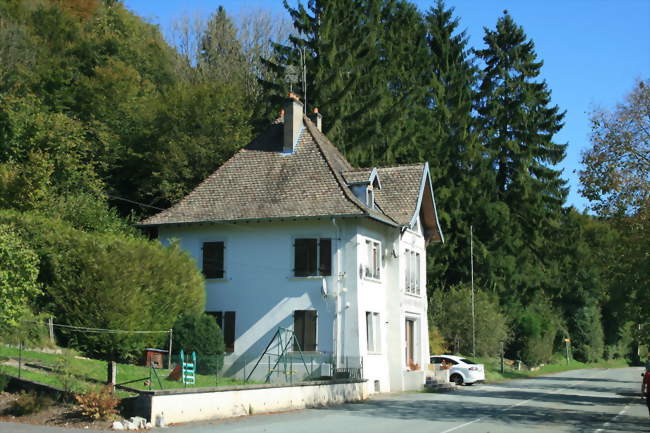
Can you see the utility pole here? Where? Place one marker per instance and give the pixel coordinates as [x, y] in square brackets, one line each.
[471, 260]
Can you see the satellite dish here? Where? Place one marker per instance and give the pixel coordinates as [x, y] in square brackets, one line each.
[323, 288]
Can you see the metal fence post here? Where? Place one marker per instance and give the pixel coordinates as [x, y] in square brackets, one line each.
[112, 374]
[361, 368]
[244, 369]
[20, 357]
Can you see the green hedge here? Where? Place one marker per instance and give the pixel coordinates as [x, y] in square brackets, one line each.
[104, 280]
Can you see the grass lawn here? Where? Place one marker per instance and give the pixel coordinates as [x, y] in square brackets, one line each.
[493, 368]
[81, 372]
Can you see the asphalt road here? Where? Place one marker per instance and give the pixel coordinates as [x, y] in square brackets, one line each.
[595, 401]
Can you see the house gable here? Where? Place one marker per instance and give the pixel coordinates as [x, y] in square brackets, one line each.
[263, 181]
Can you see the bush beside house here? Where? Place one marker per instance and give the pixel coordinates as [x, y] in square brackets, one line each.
[104, 280]
[200, 333]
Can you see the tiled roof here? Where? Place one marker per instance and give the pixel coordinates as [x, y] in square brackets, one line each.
[400, 190]
[262, 182]
[357, 176]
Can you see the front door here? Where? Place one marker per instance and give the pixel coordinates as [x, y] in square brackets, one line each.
[410, 341]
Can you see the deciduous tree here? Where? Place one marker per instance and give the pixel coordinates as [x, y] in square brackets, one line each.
[616, 173]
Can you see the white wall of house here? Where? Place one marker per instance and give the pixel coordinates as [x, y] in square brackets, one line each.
[387, 296]
[260, 286]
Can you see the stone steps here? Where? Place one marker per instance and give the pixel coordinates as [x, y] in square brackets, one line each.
[435, 385]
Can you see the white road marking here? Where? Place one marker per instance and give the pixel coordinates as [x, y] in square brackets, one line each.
[533, 398]
[461, 426]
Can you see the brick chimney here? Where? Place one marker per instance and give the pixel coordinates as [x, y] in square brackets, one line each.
[317, 118]
[293, 110]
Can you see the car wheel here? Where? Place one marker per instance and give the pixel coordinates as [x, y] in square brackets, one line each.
[457, 379]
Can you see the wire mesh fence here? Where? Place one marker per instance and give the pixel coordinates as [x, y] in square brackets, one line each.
[40, 360]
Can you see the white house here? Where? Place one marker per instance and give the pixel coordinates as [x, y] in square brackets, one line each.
[289, 234]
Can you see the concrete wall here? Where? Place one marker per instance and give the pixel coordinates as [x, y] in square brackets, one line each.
[200, 405]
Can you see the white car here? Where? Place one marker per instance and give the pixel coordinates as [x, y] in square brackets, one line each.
[462, 370]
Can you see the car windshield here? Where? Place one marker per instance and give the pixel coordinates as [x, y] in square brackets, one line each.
[466, 361]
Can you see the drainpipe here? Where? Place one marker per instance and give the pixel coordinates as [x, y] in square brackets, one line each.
[337, 289]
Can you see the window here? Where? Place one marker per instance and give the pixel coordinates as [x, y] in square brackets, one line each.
[226, 321]
[213, 259]
[412, 272]
[370, 197]
[373, 332]
[304, 326]
[373, 263]
[313, 257]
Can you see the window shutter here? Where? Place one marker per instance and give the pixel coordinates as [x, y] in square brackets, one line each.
[369, 332]
[213, 259]
[299, 329]
[229, 331]
[325, 257]
[310, 330]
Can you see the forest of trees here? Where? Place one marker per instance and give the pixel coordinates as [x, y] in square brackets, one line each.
[103, 120]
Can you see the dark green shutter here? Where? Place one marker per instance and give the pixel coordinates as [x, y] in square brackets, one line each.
[229, 331]
[325, 257]
[213, 259]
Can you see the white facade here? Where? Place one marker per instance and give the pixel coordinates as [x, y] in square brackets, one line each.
[363, 311]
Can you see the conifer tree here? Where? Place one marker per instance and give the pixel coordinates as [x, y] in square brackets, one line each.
[451, 143]
[363, 73]
[220, 52]
[517, 125]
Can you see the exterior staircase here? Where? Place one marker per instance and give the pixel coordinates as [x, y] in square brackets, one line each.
[437, 380]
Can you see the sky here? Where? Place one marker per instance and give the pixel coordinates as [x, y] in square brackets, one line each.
[593, 50]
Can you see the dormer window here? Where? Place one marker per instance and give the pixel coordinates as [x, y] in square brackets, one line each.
[370, 197]
[363, 184]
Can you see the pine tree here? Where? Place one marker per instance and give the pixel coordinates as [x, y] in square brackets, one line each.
[220, 53]
[517, 125]
[451, 145]
[363, 73]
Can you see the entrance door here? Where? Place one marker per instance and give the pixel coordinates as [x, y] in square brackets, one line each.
[410, 341]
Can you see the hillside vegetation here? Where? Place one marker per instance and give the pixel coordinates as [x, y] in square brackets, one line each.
[103, 122]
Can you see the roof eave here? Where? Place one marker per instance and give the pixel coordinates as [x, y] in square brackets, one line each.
[426, 178]
[250, 220]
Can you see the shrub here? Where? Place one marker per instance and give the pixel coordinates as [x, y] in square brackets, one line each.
[64, 373]
[200, 333]
[4, 380]
[437, 343]
[588, 336]
[451, 312]
[98, 403]
[105, 280]
[536, 327]
[18, 274]
[29, 402]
